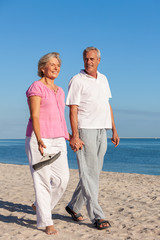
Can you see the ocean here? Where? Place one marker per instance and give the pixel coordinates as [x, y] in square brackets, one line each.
[140, 156]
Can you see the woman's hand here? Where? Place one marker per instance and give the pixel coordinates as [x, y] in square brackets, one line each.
[34, 106]
[41, 145]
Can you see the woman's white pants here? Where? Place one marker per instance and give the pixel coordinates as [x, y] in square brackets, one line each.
[50, 181]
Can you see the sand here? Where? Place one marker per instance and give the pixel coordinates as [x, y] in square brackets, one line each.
[131, 203]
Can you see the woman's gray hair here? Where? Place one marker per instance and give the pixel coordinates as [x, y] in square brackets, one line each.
[89, 49]
[43, 61]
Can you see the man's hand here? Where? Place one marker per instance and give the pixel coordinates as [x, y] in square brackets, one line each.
[76, 143]
[115, 139]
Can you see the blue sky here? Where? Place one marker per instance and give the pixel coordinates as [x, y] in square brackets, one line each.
[127, 32]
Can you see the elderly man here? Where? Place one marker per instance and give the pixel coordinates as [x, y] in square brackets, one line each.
[90, 116]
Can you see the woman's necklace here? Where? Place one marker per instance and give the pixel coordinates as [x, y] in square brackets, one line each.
[51, 86]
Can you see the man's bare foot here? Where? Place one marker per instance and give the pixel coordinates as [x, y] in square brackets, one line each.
[34, 207]
[50, 230]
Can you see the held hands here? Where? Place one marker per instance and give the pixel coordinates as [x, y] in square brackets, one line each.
[76, 143]
[115, 139]
[41, 145]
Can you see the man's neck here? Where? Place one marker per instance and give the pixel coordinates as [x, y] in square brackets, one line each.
[94, 75]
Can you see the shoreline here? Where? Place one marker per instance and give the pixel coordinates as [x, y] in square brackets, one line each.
[109, 137]
[15, 164]
[130, 202]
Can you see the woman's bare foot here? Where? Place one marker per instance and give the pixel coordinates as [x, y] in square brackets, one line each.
[50, 230]
[34, 207]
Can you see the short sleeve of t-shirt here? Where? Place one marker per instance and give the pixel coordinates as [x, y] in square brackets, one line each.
[108, 89]
[34, 90]
[74, 92]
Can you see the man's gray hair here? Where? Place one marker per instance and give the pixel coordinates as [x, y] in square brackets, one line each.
[43, 61]
[89, 49]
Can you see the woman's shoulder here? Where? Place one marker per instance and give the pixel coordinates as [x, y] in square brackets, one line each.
[60, 90]
[35, 89]
[36, 83]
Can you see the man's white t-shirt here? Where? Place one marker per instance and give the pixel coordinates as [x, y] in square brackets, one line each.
[91, 95]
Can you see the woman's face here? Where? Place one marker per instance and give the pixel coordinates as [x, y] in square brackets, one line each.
[52, 68]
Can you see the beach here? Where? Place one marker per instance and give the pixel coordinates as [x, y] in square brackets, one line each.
[131, 203]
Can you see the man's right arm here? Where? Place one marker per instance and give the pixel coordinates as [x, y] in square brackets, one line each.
[75, 142]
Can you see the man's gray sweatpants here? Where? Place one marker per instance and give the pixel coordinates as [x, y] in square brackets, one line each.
[90, 162]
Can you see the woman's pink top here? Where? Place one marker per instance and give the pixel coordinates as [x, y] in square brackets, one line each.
[52, 120]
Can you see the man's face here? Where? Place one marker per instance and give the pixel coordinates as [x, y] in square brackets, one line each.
[91, 63]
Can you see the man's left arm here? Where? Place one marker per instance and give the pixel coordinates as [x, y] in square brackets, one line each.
[115, 139]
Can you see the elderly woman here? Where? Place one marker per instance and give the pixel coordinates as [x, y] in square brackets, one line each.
[46, 133]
